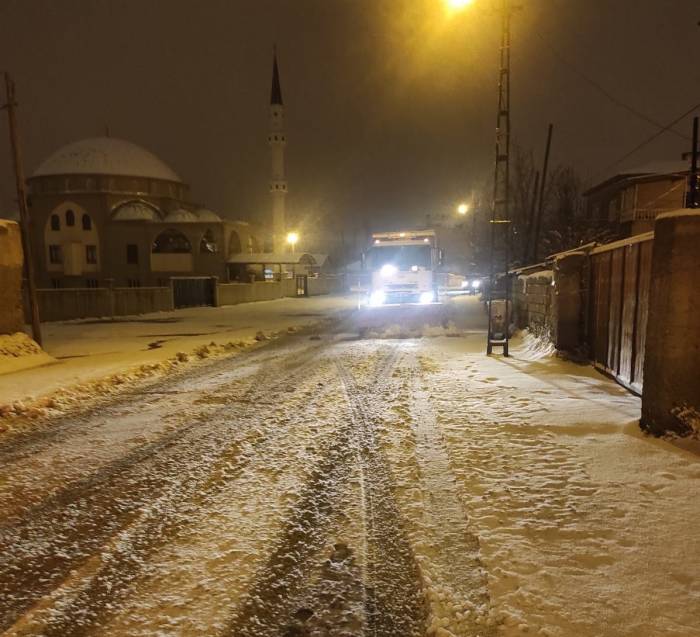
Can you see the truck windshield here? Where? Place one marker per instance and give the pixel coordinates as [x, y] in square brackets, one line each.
[403, 257]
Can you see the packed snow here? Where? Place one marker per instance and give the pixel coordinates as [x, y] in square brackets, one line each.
[356, 483]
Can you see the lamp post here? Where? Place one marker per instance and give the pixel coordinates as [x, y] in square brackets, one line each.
[500, 210]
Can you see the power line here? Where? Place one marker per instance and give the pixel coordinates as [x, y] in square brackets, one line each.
[603, 91]
[650, 139]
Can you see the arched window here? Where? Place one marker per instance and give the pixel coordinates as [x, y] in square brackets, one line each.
[171, 242]
[87, 222]
[208, 244]
[234, 243]
[55, 222]
[70, 218]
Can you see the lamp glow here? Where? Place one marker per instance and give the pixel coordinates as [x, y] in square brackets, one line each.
[463, 208]
[292, 238]
[456, 5]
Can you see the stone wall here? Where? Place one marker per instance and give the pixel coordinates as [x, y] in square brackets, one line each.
[235, 293]
[11, 262]
[532, 300]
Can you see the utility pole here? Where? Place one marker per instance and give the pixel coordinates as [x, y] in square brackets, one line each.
[500, 211]
[540, 205]
[693, 195]
[531, 219]
[22, 203]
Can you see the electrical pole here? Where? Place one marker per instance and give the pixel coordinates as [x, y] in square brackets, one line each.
[500, 211]
[531, 219]
[23, 212]
[693, 196]
[540, 206]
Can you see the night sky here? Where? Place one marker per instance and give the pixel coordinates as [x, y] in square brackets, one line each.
[390, 104]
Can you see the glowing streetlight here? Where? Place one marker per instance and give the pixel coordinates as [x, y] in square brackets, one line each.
[463, 208]
[292, 238]
[456, 5]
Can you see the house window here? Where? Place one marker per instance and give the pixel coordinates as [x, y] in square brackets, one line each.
[56, 284]
[91, 254]
[133, 283]
[91, 283]
[70, 218]
[132, 253]
[87, 222]
[55, 222]
[55, 254]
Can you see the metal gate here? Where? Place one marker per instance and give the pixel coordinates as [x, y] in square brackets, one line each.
[193, 291]
[302, 285]
[619, 307]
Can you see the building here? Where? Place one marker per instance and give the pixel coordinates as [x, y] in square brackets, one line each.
[108, 212]
[631, 200]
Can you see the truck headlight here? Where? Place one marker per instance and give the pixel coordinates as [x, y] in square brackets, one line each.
[426, 297]
[377, 297]
[476, 284]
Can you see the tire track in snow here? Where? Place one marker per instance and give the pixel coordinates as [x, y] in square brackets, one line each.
[40, 553]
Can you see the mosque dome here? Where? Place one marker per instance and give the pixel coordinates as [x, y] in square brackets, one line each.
[203, 214]
[181, 216]
[106, 156]
[135, 211]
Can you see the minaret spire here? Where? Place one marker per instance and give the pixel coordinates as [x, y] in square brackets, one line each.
[277, 141]
[276, 92]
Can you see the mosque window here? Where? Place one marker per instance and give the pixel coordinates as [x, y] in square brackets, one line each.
[87, 222]
[91, 254]
[55, 222]
[208, 244]
[70, 218]
[132, 253]
[171, 241]
[55, 254]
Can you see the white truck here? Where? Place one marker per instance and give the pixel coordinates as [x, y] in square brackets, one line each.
[402, 267]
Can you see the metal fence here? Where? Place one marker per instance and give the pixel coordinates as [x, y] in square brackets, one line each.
[618, 308]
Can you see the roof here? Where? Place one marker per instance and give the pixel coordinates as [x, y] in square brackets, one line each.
[105, 156]
[279, 257]
[276, 92]
[652, 169]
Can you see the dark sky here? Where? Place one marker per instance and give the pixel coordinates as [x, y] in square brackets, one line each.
[390, 103]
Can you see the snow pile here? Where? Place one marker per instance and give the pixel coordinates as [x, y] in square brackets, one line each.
[18, 351]
[532, 347]
[689, 416]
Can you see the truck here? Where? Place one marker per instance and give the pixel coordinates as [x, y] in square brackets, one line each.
[402, 268]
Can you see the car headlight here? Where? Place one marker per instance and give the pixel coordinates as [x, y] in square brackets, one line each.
[388, 270]
[426, 297]
[476, 284]
[377, 297]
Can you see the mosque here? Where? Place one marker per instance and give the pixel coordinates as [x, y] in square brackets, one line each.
[106, 212]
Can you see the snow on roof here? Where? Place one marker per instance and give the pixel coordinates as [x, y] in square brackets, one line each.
[205, 214]
[105, 156]
[270, 257]
[181, 216]
[135, 211]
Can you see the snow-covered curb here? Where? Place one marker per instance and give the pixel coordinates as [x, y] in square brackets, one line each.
[18, 352]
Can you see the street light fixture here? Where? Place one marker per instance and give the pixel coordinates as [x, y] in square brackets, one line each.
[292, 238]
[463, 208]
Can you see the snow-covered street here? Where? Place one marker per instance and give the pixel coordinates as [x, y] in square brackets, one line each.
[377, 476]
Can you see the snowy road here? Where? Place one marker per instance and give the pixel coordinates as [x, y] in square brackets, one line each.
[349, 483]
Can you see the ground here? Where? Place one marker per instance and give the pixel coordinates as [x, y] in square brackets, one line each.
[374, 475]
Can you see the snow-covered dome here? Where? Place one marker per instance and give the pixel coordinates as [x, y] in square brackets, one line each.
[203, 214]
[105, 156]
[181, 216]
[135, 211]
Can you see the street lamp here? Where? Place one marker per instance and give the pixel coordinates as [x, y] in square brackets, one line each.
[456, 5]
[292, 238]
[463, 208]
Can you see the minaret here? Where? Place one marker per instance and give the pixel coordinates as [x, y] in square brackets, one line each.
[277, 141]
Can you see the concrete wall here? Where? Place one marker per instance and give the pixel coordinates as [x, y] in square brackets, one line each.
[11, 261]
[234, 293]
[325, 285]
[671, 397]
[76, 303]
